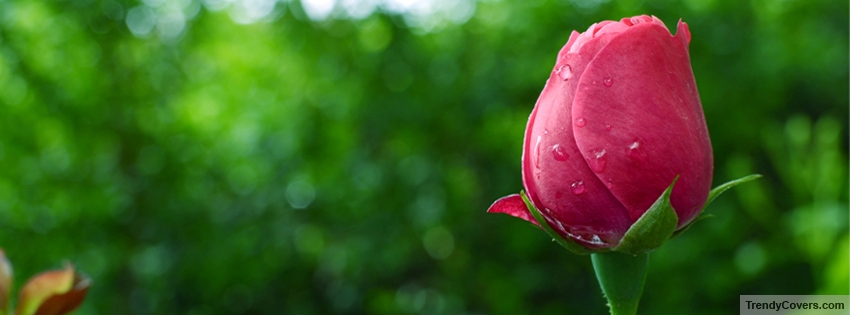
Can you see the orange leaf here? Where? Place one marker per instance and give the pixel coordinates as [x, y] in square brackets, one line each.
[54, 292]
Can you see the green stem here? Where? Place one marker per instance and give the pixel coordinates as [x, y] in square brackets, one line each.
[621, 277]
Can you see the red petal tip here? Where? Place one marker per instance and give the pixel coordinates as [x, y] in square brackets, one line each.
[512, 205]
[682, 30]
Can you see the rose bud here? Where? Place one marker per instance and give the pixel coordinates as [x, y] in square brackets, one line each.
[618, 121]
[54, 292]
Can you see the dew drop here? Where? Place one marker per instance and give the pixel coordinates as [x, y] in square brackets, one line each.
[608, 81]
[588, 235]
[596, 240]
[537, 152]
[559, 153]
[607, 127]
[565, 72]
[578, 188]
[581, 122]
[608, 184]
[545, 131]
[597, 160]
[635, 152]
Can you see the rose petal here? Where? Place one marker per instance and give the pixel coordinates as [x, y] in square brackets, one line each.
[612, 28]
[512, 205]
[683, 32]
[644, 76]
[575, 203]
[562, 54]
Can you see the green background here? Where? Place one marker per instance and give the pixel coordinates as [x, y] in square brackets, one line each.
[253, 157]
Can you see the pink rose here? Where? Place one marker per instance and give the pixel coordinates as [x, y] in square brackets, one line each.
[618, 120]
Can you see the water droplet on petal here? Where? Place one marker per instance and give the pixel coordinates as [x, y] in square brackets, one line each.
[635, 152]
[588, 235]
[565, 72]
[608, 81]
[545, 131]
[536, 156]
[581, 122]
[559, 153]
[597, 160]
[609, 184]
[607, 127]
[596, 240]
[578, 188]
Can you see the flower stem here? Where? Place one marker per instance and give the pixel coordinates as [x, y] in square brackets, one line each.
[621, 277]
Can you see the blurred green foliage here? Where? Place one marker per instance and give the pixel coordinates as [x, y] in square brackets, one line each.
[254, 157]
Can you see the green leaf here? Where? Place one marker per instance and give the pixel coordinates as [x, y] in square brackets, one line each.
[54, 292]
[653, 228]
[565, 242]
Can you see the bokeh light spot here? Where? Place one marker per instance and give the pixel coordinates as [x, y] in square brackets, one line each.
[141, 20]
[300, 193]
[439, 242]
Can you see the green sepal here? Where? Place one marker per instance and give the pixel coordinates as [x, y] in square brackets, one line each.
[726, 186]
[567, 243]
[653, 228]
[700, 217]
[713, 194]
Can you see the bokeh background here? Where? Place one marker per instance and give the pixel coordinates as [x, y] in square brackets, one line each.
[338, 156]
